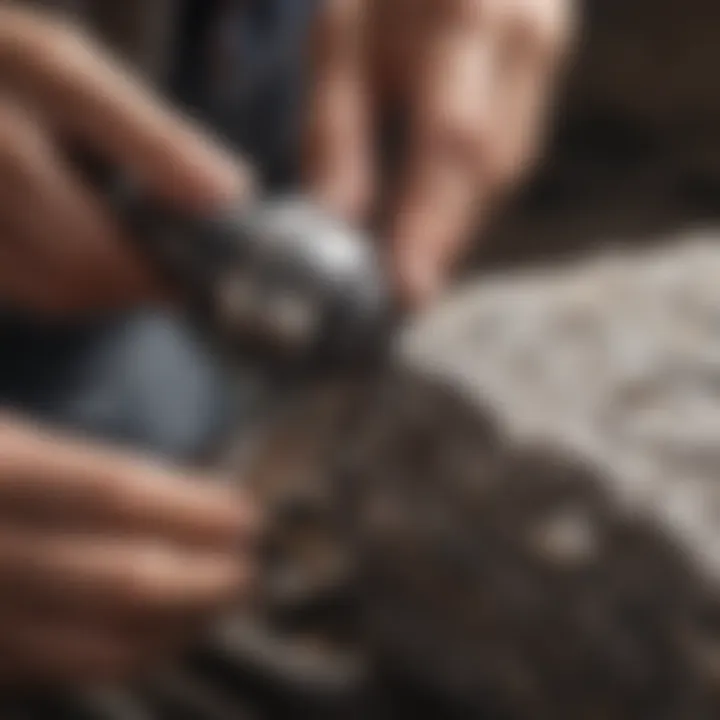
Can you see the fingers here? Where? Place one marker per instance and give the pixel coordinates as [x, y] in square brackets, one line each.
[93, 97]
[91, 487]
[338, 151]
[536, 38]
[105, 577]
[66, 252]
[446, 181]
[59, 229]
[479, 114]
[107, 560]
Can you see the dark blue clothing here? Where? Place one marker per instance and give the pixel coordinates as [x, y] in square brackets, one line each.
[244, 70]
[144, 379]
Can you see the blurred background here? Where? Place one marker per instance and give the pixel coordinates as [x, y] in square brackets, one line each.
[637, 152]
[634, 163]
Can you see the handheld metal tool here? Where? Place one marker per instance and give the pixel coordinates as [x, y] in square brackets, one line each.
[280, 282]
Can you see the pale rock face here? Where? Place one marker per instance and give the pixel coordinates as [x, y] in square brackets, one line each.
[616, 359]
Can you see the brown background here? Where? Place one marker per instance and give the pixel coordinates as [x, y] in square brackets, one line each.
[637, 156]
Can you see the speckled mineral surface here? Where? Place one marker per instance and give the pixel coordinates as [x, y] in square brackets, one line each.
[616, 359]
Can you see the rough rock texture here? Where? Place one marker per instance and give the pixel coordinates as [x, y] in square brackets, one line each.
[617, 358]
[533, 516]
[587, 518]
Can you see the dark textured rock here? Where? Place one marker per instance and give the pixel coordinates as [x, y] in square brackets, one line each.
[590, 525]
[531, 517]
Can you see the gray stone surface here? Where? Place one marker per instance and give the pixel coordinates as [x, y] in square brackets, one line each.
[587, 503]
[616, 358]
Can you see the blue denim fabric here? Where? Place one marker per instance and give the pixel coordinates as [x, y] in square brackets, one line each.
[144, 380]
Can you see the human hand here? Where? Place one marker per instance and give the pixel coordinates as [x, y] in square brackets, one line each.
[108, 562]
[474, 82]
[61, 249]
